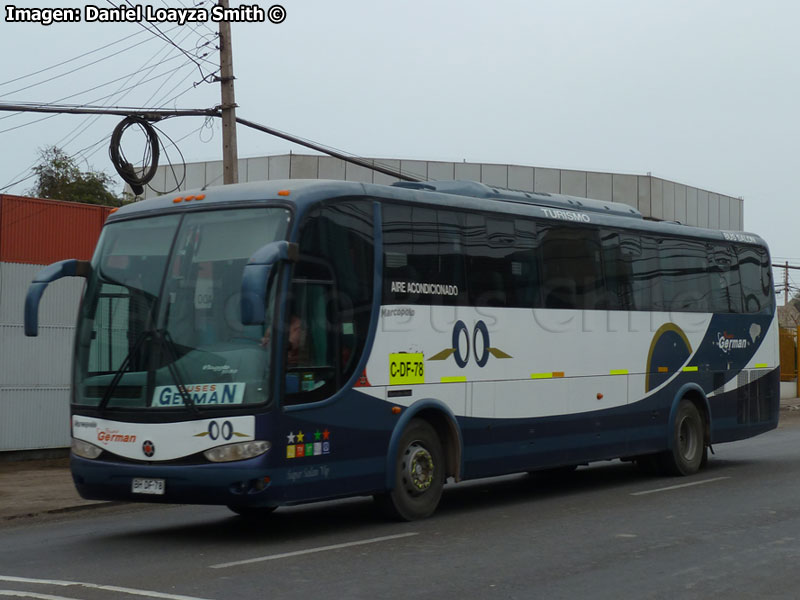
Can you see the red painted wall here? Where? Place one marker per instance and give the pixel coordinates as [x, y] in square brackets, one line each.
[40, 232]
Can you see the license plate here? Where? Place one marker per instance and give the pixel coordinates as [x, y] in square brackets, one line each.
[148, 486]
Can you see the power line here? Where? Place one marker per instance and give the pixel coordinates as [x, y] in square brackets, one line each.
[166, 38]
[76, 69]
[13, 183]
[203, 48]
[162, 103]
[102, 85]
[25, 124]
[154, 114]
[178, 183]
[327, 150]
[84, 126]
[158, 114]
[785, 288]
[88, 109]
[157, 104]
[206, 41]
[166, 73]
[145, 69]
[69, 60]
[89, 121]
[115, 80]
[192, 25]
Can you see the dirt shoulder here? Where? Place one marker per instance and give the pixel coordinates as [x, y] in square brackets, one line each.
[31, 487]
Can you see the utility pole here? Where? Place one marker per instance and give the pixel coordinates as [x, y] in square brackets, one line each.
[230, 154]
[786, 284]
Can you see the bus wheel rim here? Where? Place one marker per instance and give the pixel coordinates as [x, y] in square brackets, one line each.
[419, 469]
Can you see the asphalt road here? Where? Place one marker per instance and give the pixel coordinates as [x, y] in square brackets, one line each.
[606, 531]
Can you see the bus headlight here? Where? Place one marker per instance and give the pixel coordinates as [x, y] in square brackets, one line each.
[238, 451]
[85, 449]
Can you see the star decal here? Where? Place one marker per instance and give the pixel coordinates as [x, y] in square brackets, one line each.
[301, 436]
[317, 435]
[290, 437]
[326, 434]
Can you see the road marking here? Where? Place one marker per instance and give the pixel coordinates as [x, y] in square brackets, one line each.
[311, 550]
[682, 485]
[93, 586]
[19, 594]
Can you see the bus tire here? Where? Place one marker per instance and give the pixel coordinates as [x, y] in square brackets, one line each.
[252, 512]
[688, 442]
[419, 474]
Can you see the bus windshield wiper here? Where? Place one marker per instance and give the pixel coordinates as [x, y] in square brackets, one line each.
[123, 367]
[166, 342]
[172, 357]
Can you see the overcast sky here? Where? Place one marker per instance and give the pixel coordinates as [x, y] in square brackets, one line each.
[700, 92]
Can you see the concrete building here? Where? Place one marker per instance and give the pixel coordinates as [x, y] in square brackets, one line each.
[654, 197]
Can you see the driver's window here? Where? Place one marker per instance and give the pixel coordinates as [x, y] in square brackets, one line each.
[330, 301]
[311, 337]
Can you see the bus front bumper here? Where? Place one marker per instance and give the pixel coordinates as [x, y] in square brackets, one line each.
[240, 483]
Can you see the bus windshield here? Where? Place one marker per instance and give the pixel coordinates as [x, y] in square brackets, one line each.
[160, 325]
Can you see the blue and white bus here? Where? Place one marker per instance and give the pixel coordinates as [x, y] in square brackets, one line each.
[277, 343]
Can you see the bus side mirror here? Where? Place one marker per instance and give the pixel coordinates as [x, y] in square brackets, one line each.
[256, 275]
[64, 268]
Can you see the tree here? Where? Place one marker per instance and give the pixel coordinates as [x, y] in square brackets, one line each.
[59, 178]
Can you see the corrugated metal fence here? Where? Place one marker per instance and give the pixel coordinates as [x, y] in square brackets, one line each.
[35, 372]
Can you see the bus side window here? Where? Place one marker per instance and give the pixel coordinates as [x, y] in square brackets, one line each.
[647, 294]
[422, 246]
[572, 275]
[617, 271]
[425, 245]
[489, 242]
[756, 279]
[398, 251]
[767, 288]
[726, 286]
[525, 266]
[452, 270]
[684, 275]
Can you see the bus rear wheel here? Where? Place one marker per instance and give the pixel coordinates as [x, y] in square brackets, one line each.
[688, 451]
[419, 474]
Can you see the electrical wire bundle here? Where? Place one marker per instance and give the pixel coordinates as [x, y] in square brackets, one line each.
[126, 170]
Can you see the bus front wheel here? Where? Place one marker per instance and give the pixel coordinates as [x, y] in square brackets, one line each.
[419, 474]
[688, 451]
